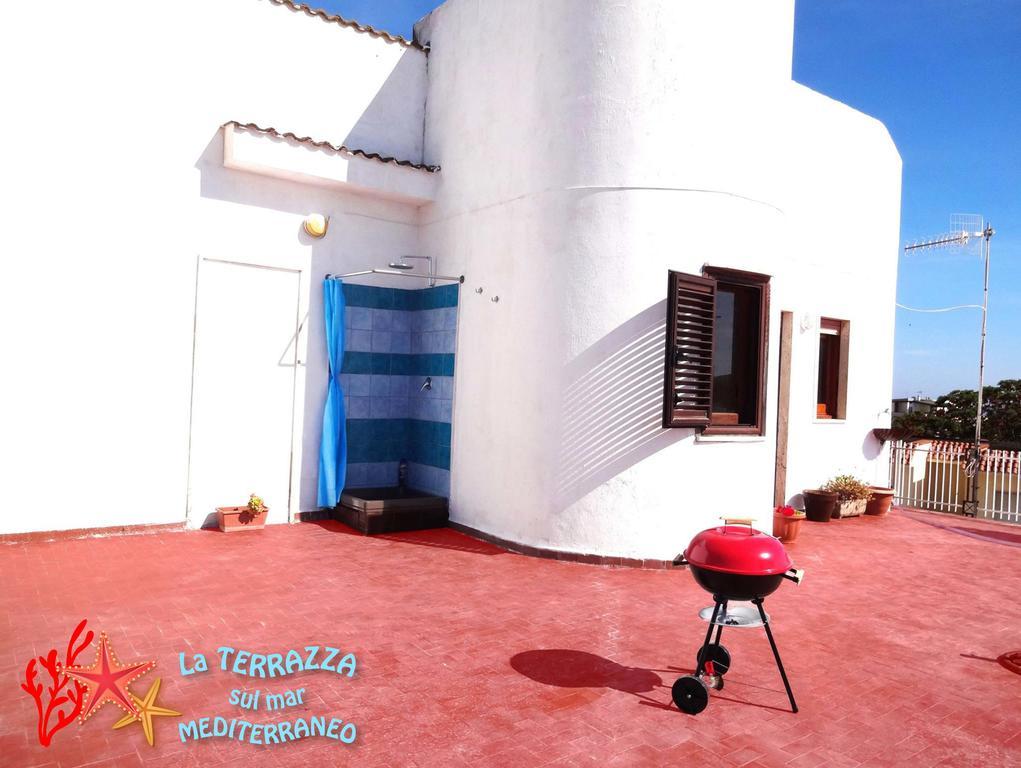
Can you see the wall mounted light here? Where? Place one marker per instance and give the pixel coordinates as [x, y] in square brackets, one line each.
[316, 224]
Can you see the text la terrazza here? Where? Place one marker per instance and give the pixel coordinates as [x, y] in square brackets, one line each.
[251, 664]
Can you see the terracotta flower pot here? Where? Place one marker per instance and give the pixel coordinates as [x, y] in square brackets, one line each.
[819, 505]
[880, 501]
[240, 519]
[787, 527]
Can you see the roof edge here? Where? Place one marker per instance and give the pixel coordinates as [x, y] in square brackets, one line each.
[349, 23]
[308, 141]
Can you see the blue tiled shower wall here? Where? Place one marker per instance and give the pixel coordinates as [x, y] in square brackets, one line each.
[394, 339]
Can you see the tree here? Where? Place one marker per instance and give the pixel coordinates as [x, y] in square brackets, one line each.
[1002, 416]
[953, 416]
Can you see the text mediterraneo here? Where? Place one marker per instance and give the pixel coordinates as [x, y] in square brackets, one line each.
[270, 665]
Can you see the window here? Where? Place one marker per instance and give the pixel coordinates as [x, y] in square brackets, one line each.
[831, 400]
[716, 351]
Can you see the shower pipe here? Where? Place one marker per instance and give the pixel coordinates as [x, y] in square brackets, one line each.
[459, 279]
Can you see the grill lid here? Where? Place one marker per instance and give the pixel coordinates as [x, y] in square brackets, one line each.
[738, 549]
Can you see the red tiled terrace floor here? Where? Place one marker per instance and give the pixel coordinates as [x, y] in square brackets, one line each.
[468, 655]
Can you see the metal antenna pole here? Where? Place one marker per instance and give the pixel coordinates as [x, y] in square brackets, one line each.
[971, 504]
[964, 228]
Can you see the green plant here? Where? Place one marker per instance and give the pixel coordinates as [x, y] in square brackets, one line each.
[848, 488]
[256, 504]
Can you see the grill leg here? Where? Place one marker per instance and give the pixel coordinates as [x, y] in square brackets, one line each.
[720, 602]
[776, 653]
[719, 627]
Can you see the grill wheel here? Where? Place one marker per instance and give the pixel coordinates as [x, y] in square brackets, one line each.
[690, 694]
[717, 654]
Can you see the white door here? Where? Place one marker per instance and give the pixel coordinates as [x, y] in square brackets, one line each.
[244, 385]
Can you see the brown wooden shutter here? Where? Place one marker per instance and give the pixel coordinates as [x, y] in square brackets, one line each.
[688, 384]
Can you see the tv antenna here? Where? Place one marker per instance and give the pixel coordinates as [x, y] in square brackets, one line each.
[966, 229]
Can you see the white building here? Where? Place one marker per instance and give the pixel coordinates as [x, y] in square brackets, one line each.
[162, 304]
[901, 405]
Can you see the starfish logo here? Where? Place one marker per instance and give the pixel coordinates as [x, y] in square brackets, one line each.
[107, 680]
[79, 691]
[147, 710]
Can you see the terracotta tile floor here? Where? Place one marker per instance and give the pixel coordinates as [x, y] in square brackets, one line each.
[471, 656]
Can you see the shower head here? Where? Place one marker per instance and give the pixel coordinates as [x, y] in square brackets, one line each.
[401, 265]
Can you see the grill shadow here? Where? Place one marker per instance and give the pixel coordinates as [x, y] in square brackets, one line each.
[563, 668]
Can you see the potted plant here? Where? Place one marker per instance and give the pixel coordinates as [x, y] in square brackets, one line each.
[251, 517]
[820, 504]
[787, 523]
[852, 495]
[880, 501]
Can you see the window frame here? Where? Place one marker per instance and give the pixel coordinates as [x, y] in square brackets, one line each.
[830, 326]
[714, 277]
[761, 283]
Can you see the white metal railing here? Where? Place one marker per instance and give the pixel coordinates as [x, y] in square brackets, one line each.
[933, 475]
[1000, 494]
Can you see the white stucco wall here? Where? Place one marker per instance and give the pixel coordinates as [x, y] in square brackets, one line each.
[588, 147]
[112, 162]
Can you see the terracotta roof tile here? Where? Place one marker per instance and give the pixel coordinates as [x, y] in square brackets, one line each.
[253, 128]
[335, 19]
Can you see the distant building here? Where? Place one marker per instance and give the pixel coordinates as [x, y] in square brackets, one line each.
[902, 405]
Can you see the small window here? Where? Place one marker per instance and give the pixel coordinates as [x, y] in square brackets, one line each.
[716, 351]
[831, 399]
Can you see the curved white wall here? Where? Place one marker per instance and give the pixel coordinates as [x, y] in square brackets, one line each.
[587, 148]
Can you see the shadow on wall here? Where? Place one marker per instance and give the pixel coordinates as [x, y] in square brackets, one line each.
[871, 446]
[245, 188]
[358, 222]
[385, 127]
[219, 183]
[613, 406]
[379, 129]
[373, 132]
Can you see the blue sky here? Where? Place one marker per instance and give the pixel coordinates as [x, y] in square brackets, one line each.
[945, 78]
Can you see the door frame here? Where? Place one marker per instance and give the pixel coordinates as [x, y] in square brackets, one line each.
[783, 407]
[299, 342]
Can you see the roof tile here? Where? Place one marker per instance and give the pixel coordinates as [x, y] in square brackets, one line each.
[335, 19]
[307, 140]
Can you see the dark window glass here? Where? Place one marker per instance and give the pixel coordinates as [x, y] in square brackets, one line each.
[736, 338]
[829, 371]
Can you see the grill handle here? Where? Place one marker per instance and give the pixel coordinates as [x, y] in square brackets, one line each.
[680, 560]
[750, 522]
[795, 574]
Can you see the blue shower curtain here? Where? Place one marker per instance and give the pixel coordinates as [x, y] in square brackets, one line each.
[333, 446]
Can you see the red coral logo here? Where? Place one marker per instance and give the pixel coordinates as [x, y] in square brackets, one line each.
[62, 702]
